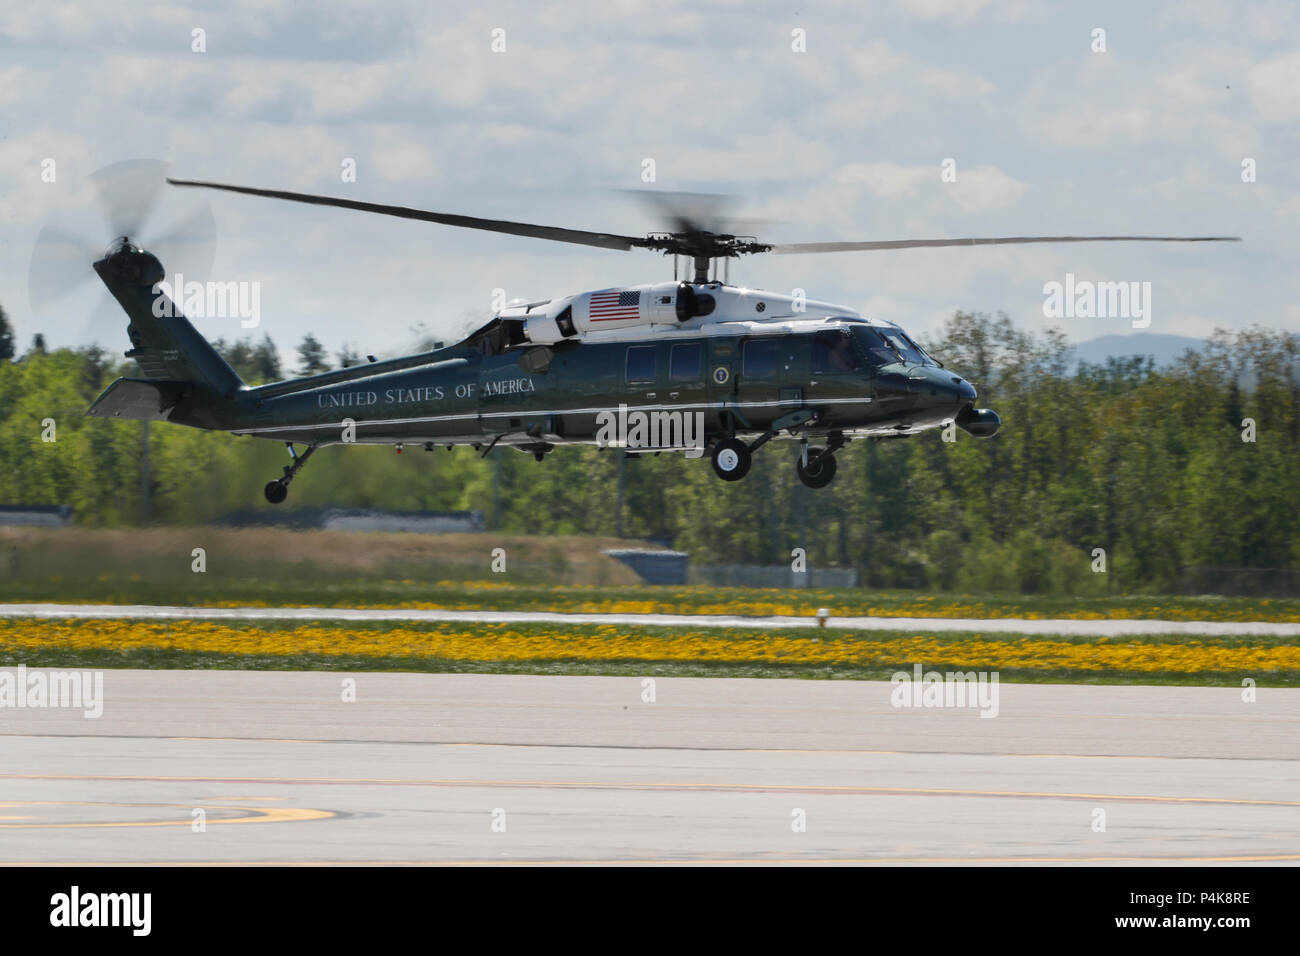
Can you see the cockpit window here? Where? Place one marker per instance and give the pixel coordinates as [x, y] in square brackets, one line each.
[929, 359]
[833, 353]
[905, 347]
[878, 351]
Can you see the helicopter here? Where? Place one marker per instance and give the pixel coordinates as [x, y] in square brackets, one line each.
[694, 365]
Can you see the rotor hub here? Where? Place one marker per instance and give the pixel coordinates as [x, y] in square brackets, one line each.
[702, 247]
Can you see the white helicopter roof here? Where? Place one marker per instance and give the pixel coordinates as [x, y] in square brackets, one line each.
[776, 325]
[655, 311]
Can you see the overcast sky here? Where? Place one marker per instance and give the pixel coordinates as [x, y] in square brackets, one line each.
[844, 141]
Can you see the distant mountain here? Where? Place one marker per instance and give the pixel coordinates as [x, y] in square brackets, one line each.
[1164, 349]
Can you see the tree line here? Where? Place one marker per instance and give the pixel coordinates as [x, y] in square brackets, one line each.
[1152, 470]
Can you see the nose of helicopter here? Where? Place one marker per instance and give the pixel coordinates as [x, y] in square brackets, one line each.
[940, 389]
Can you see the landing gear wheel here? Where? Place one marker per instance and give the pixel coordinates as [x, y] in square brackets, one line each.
[731, 459]
[276, 491]
[820, 470]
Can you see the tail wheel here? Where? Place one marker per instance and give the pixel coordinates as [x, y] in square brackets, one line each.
[731, 459]
[820, 470]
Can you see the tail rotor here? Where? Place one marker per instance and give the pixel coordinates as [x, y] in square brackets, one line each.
[131, 197]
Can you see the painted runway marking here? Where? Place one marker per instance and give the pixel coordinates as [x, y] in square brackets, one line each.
[680, 748]
[253, 815]
[684, 861]
[646, 785]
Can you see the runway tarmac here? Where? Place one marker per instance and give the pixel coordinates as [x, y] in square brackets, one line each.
[584, 769]
[1091, 628]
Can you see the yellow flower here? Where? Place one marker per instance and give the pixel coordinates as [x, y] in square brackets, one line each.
[613, 643]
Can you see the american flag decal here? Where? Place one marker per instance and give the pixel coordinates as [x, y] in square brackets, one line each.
[612, 305]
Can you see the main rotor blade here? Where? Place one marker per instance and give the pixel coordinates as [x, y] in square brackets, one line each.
[686, 213]
[602, 240]
[1002, 241]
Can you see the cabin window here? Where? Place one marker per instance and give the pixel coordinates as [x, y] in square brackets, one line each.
[686, 363]
[641, 365]
[760, 358]
[833, 353]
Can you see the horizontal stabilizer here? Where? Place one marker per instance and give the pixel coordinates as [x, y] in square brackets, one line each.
[138, 399]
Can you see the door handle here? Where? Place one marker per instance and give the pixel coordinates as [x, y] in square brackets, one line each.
[649, 394]
[674, 394]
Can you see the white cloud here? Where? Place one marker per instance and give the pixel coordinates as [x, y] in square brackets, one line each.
[1275, 88]
[985, 187]
[889, 179]
[981, 188]
[958, 12]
